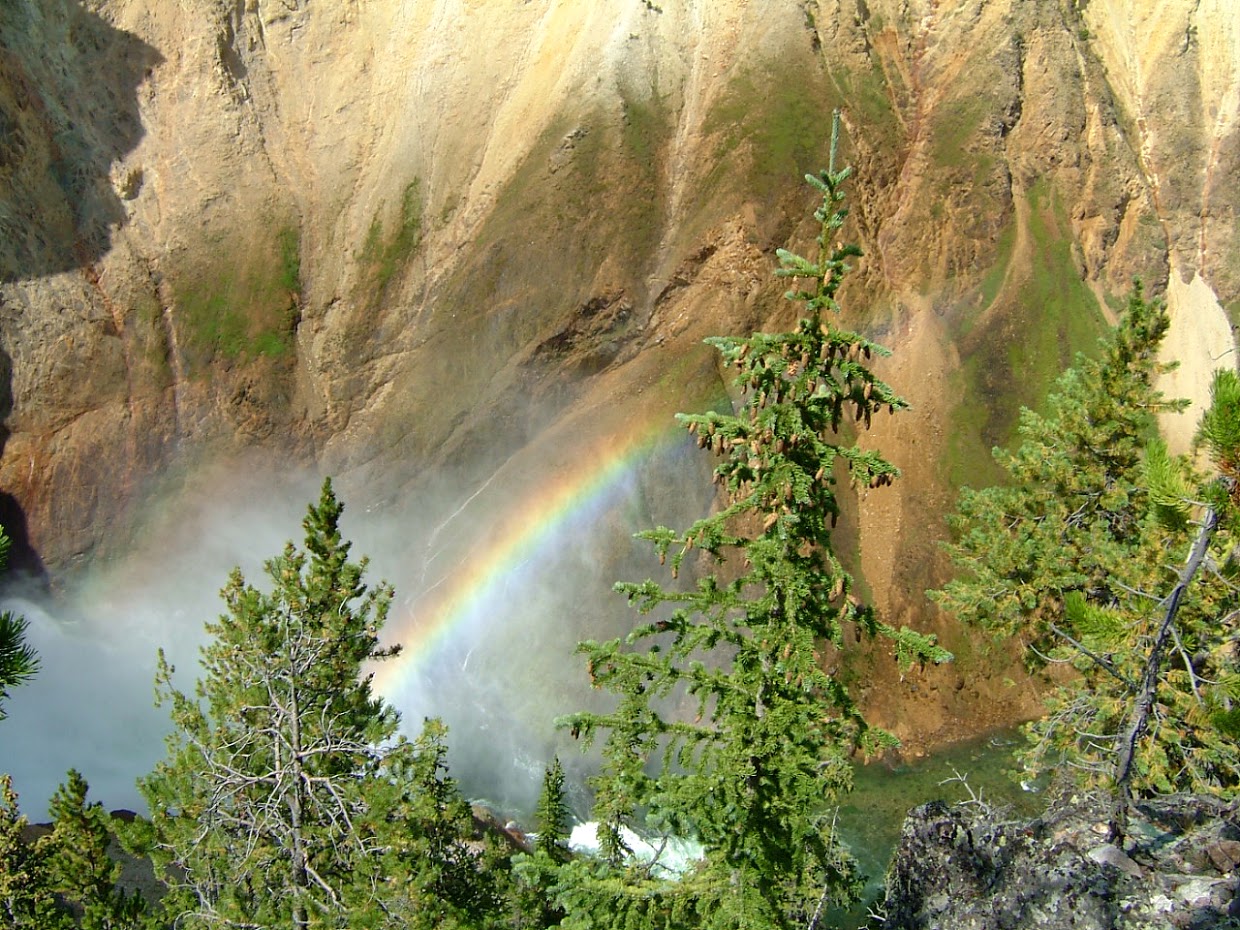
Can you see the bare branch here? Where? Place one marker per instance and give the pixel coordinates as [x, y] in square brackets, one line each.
[1103, 663]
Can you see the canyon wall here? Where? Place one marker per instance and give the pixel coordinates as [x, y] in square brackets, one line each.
[393, 241]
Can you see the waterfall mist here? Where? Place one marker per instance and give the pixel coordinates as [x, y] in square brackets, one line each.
[499, 674]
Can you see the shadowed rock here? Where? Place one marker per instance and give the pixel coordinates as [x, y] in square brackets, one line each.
[68, 112]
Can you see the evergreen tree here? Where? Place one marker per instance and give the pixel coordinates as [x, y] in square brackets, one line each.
[1075, 555]
[751, 771]
[27, 898]
[1071, 512]
[1188, 711]
[18, 662]
[79, 867]
[282, 793]
[442, 879]
[536, 873]
[552, 815]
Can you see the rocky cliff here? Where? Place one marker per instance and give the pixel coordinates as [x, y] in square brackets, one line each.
[390, 239]
[971, 868]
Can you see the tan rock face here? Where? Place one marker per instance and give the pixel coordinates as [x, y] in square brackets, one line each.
[383, 237]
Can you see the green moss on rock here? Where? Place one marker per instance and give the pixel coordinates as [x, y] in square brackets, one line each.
[241, 299]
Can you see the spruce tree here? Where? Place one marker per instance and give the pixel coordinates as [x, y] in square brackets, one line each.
[284, 790]
[432, 860]
[552, 815]
[536, 873]
[1178, 730]
[1071, 511]
[751, 769]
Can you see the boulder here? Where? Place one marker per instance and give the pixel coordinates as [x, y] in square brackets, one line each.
[970, 868]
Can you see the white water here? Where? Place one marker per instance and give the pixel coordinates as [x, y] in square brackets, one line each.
[671, 856]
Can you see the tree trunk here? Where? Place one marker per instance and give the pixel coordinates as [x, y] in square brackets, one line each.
[1126, 742]
[301, 879]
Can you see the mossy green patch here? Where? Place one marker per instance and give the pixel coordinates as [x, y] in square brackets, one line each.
[954, 126]
[603, 196]
[241, 301]
[1233, 312]
[645, 131]
[773, 122]
[217, 324]
[1065, 315]
[150, 337]
[384, 253]
[643, 126]
[969, 458]
[772, 117]
[590, 195]
[992, 281]
[867, 95]
[1037, 318]
[289, 240]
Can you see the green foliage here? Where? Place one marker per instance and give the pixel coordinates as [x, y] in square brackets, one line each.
[1077, 552]
[538, 874]
[79, 867]
[553, 816]
[1055, 312]
[1074, 493]
[64, 880]
[441, 880]
[27, 898]
[727, 729]
[384, 255]
[285, 798]
[18, 661]
[1166, 485]
[1061, 312]
[1219, 432]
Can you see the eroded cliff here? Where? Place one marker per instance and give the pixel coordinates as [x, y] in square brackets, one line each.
[386, 239]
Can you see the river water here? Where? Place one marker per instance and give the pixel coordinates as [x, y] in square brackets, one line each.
[871, 816]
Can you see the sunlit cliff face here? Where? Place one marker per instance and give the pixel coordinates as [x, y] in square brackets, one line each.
[390, 237]
[438, 248]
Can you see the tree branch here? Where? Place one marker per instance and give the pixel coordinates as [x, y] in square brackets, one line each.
[1104, 664]
[1127, 742]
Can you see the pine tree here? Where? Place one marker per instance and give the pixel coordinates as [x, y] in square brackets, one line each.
[1072, 510]
[1077, 555]
[79, 867]
[277, 800]
[536, 874]
[26, 894]
[27, 898]
[18, 661]
[443, 881]
[1179, 730]
[751, 771]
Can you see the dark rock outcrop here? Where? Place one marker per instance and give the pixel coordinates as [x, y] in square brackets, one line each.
[967, 869]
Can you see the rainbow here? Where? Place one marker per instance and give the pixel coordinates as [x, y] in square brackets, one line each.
[563, 498]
